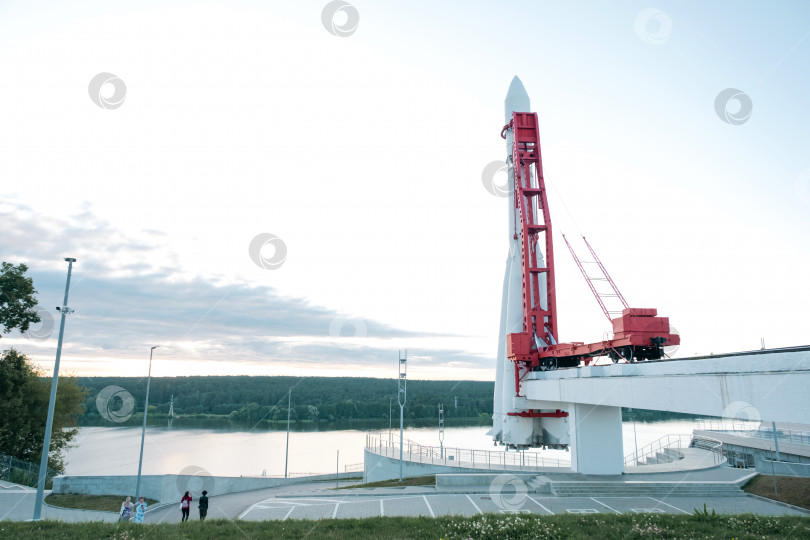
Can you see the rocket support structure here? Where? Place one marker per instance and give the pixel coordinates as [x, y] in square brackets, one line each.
[529, 339]
[515, 424]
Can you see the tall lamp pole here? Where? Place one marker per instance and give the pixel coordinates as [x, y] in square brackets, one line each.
[143, 431]
[441, 431]
[389, 420]
[403, 364]
[46, 445]
[287, 453]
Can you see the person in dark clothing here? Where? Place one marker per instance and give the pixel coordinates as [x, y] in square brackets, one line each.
[203, 505]
[185, 504]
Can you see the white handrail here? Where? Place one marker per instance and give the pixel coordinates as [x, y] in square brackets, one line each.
[461, 457]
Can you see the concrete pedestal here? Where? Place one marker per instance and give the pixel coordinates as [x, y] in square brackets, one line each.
[596, 439]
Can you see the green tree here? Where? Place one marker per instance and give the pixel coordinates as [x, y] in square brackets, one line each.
[24, 395]
[17, 298]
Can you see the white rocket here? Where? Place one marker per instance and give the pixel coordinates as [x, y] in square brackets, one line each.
[516, 430]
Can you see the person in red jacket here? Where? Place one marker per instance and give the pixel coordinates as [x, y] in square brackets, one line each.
[185, 504]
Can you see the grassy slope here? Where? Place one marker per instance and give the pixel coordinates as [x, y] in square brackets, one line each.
[490, 526]
[795, 491]
[105, 503]
[411, 481]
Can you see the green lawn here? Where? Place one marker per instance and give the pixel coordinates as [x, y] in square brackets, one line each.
[412, 481]
[106, 503]
[489, 526]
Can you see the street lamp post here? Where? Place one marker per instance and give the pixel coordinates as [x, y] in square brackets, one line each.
[287, 453]
[390, 400]
[46, 445]
[403, 364]
[143, 431]
[441, 431]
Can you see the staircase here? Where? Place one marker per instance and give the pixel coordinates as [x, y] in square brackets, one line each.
[665, 455]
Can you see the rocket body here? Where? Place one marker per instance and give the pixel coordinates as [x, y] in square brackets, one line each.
[518, 431]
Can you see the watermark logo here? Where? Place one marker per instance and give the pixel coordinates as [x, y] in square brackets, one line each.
[258, 248]
[195, 480]
[107, 91]
[653, 26]
[802, 185]
[495, 178]
[338, 324]
[670, 350]
[740, 410]
[115, 404]
[508, 492]
[340, 18]
[45, 328]
[725, 98]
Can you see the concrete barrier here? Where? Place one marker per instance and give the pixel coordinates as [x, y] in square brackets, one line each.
[379, 467]
[783, 468]
[171, 487]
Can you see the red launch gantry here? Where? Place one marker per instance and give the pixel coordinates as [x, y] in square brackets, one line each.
[638, 334]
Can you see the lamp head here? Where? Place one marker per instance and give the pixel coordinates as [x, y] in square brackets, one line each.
[70, 259]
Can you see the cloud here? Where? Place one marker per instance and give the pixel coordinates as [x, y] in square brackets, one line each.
[124, 304]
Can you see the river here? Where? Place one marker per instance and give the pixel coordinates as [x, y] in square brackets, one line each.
[114, 450]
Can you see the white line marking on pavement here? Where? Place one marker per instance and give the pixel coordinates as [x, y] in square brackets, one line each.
[429, 508]
[475, 505]
[538, 504]
[330, 500]
[603, 504]
[288, 513]
[382, 510]
[243, 514]
[334, 514]
[675, 507]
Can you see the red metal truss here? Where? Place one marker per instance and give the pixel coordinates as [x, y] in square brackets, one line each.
[590, 280]
[639, 334]
[532, 207]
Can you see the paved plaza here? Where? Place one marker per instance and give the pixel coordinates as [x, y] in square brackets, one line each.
[470, 504]
[318, 500]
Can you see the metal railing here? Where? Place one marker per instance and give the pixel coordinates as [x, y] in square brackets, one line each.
[712, 445]
[676, 442]
[353, 467]
[727, 425]
[757, 430]
[21, 472]
[461, 457]
[658, 445]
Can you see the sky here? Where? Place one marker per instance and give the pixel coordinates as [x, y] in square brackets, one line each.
[301, 188]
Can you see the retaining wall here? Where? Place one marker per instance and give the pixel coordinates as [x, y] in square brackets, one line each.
[378, 467]
[171, 487]
[782, 468]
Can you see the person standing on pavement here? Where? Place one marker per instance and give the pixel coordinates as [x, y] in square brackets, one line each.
[203, 505]
[185, 504]
[140, 510]
[126, 510]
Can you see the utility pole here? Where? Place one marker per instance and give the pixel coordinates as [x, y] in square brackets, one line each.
[46, 445]
[287, 453]
[401, 397]
[777, 458]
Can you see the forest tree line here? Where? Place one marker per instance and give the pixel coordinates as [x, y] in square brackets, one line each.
[249, 399]
[262, 401]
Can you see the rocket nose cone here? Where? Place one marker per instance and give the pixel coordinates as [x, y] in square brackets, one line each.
[516, 99]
